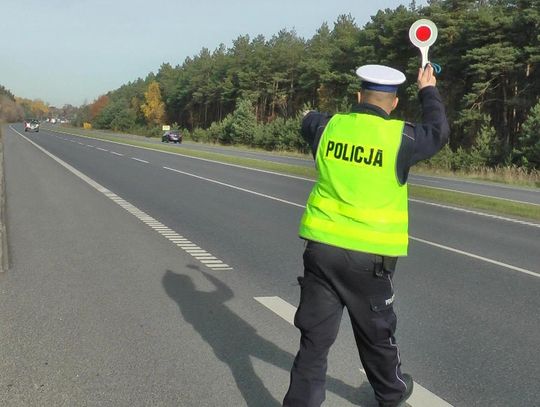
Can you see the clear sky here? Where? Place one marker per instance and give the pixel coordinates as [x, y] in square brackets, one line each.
[71, 51]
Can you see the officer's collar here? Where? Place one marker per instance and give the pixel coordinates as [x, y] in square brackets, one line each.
[368, 108]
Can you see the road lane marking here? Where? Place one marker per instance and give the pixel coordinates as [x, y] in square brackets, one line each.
[475, 256]
[158, 227]
[235, 187]
[279, 306]
[451, 249]
[101, 149]
[219, 266]
[476, 194]
[89, 145]
[302, 206]
[118, 154]
[278, 173]
[468, 181]
[138, 159]
[421, 397]
[188, 156]
[426, 180]
[487, 215]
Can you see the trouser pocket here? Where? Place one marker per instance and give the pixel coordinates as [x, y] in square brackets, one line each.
[383, 317]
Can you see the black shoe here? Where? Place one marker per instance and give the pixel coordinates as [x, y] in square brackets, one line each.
[407, 378]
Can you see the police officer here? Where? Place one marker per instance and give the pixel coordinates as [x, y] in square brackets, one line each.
[356, 226]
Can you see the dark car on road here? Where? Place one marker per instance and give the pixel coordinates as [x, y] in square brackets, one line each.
[171, 137]
[31, 125]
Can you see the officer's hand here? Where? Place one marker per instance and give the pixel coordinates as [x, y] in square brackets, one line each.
[426, 77]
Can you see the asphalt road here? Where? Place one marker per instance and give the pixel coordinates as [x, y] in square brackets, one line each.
[488, 189]
[103, 310]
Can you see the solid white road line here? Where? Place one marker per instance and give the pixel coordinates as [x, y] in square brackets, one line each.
[487, 215]
[302, 206]
[138, 159]
[234, 187]
[475, 256]
[166, 232]
[421, 397]
[478, 183]
[451, 249]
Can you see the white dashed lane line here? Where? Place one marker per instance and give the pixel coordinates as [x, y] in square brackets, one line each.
[118, 154]
[421, 397]
[138, 159]
[279, 306]
[167, 233]
[101, 149]
[183, 243]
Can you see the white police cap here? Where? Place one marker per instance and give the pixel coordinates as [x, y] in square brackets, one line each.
[380, 78]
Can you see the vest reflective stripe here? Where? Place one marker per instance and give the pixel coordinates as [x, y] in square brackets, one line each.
[351, 233]
[358, 202]
[381, 215]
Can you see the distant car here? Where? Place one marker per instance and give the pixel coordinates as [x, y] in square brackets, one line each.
[31, 125]
[171, 137]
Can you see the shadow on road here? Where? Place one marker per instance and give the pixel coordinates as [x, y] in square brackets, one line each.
[234, 341]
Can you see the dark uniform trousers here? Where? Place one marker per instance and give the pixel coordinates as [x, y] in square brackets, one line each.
[362, 282]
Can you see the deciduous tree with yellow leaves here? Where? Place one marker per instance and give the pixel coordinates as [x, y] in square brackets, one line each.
[153, 108]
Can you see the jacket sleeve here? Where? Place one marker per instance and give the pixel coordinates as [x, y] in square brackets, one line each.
[421, 141]
[313, 126]
[432, 134]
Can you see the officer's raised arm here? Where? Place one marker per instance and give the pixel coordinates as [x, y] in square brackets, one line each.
[432, 134]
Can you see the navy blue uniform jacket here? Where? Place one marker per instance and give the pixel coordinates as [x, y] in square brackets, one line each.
[420, 141]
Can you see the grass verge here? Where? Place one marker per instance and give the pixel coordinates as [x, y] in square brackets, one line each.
[468, 201]
[464, 200]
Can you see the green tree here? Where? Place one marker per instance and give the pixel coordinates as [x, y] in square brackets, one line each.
[242, 124]
[486, 148]
[529, 140]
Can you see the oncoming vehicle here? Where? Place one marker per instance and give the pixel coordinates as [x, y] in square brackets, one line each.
[31, 125]
[171, 137]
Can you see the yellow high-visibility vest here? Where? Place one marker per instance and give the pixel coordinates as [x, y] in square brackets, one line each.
[358, 202]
